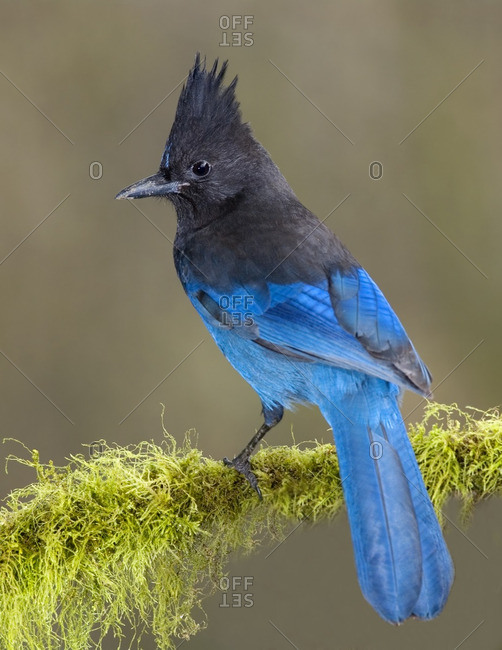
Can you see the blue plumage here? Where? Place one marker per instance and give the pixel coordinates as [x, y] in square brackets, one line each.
[302, 321]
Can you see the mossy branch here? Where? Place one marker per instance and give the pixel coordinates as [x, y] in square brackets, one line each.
[140, 534]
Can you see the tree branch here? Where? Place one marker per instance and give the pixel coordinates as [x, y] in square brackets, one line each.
[140, 534]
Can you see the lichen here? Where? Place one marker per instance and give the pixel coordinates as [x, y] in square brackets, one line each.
[136, 536]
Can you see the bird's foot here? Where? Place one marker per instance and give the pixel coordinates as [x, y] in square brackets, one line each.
[243, 466]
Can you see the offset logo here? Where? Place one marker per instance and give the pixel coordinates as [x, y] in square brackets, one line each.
[235, 591]
[235, 310]
[235, 31]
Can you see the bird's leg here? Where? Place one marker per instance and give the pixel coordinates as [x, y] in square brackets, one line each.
[241, 462]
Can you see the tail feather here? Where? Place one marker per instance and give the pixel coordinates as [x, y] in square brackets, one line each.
[402, 562]
[437, 565]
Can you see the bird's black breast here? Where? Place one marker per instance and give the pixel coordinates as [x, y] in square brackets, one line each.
[253, 245]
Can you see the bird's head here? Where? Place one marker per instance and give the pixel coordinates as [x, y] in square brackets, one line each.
[211, 157]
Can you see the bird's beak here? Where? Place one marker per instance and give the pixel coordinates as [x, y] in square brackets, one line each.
[155, 185]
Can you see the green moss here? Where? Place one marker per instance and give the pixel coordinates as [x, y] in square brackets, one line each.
[138, 535]
[459, 452]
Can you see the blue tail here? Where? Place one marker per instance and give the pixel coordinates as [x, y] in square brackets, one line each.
[403, 564]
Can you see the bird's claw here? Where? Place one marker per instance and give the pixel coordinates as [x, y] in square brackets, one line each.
[242, 465]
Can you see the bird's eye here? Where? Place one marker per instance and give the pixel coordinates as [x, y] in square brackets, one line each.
[201, 168]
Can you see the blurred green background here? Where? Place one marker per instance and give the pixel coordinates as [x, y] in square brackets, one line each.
[93, 318]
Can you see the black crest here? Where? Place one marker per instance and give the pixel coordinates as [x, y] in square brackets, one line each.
[206, 107]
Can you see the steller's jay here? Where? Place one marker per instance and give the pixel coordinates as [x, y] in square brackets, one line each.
[301, 320]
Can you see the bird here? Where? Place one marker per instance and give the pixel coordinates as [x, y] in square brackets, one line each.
[301, 320]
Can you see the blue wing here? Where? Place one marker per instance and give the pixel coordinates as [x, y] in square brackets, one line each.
[343, 321]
